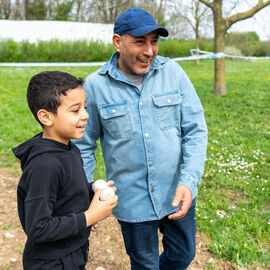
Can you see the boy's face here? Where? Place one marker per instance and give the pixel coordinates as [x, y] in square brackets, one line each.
[71, 118]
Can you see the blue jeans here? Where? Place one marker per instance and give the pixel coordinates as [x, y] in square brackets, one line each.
[179, 242]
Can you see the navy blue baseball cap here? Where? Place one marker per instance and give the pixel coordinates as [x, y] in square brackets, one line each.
[137, 22]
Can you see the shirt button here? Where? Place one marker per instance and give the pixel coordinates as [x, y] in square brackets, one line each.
[140, 103]
[150, 163]
[152, 190]
[113, 111]
[146, 135]
[169, 101]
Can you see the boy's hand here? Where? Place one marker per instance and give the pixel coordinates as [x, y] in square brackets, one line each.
[99, 210]
[94, 227]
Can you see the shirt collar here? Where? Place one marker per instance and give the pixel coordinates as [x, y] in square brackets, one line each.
[111, 65]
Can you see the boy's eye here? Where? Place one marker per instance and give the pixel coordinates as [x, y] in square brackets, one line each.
[75, 111]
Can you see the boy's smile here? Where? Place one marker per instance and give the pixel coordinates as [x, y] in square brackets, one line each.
[71, 117]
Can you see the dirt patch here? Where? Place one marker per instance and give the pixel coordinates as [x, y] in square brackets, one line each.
[107, 250]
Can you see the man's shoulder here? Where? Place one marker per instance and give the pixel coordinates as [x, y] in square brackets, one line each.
[98, 74]
[168, 64]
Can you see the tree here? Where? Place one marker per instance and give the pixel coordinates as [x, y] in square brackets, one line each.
[5, 9]
[35, 9]
[221, 26]
[79, 4]
[17, 10]
[195, 14]
[106, 11]
[62, 10]
[155, 7]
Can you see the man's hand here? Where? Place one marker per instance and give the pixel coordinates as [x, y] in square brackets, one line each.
[183, 199]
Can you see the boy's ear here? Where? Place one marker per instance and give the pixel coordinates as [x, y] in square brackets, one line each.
[117, 41]
[45, 117]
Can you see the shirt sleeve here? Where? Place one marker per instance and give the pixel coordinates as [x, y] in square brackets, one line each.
[41, 226]
[194, 136]
[87, 144]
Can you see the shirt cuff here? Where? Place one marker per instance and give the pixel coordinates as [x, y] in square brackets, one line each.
[190, 182]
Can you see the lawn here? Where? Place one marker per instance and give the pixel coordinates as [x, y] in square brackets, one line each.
[233, 205]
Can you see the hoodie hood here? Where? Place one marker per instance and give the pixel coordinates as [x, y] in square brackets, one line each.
[37, 145]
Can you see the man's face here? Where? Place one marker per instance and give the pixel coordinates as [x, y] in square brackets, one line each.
[137, 53]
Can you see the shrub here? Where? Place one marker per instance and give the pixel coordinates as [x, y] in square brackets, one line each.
[83, 50]
[54, 51]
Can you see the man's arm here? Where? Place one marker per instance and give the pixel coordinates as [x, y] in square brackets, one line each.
[194, 142]
[87, 144]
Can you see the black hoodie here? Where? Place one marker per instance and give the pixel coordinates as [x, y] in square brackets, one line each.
[53, 194]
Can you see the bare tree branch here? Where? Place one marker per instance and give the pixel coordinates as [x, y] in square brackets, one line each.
[210, 5]
[247, 14]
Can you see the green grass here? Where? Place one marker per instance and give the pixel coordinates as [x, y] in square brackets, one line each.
[234, 198]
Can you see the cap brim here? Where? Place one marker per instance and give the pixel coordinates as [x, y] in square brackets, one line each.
[146, 29]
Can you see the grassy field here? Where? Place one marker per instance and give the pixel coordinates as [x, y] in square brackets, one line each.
[234, 198]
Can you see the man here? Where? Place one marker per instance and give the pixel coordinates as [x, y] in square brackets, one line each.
[153, 135]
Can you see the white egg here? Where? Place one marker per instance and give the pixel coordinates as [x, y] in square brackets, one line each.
[106, 194]
[100, 184]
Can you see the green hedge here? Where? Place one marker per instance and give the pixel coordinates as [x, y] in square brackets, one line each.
[83, 51]
[179, 48]
[54, 51]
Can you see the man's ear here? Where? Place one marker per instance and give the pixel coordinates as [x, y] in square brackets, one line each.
[45, 117]
[117, 40]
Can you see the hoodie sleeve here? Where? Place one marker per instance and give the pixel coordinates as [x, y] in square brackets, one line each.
[41, 226]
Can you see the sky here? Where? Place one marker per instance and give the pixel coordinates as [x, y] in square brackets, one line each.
[44, 30]
[260, 23]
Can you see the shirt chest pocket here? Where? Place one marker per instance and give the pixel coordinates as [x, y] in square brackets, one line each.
[116, 120]
[167, 110]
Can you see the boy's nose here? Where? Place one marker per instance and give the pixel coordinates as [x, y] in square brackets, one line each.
[85, 115]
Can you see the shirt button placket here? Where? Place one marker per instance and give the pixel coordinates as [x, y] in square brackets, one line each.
[149, 148]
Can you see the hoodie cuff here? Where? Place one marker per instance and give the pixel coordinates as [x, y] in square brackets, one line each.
[81, 221]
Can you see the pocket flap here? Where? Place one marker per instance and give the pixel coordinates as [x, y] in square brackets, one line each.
[113, 110]
[167, 100]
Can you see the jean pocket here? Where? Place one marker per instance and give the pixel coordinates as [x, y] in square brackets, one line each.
[116, 120]
[167, 108]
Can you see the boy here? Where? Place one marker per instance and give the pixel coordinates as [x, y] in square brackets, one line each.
[53, 193]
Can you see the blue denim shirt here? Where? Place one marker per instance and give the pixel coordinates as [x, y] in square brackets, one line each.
[152, 140]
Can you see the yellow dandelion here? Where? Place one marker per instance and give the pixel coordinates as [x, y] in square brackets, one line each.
[219, 129]
[263, 158]
[233, 91]
[251, 163]
[212, 148]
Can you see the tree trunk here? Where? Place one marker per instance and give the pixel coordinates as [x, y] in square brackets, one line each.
[197, 61]
[219, 44]
[220, 78]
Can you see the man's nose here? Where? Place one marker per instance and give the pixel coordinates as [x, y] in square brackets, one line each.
[148, 49]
